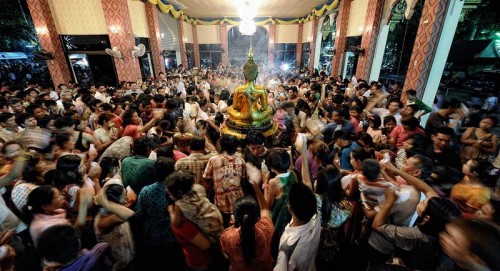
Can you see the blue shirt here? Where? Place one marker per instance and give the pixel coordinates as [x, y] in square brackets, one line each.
[345, 156]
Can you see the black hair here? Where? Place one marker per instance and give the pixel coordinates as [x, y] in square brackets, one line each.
[163, 167]
[279, 160]
[142, 146]
[440, 211]
[179, 183]
[445, 130]
[104, 117]
[246, 214]
[411, 121]
[302, 202]
[229, 144]
[127, 117]
[21, 118]
[37, 198]
[5, 116]
[107, 165]
[255, 138]
[197, 143]
[60, 244]
[62, 122]
[61, 138]
[370, 169]
[375, 119]
[67, 171]
[329, 185]
[114, 193]
[361, 154]
[425, 165]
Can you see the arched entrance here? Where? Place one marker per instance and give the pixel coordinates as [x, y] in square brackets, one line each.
[238, 46]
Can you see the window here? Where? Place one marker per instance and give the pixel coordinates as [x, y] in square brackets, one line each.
[285, 53]
[210, 55]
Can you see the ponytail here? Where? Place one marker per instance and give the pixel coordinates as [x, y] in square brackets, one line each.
[248, 239]
[246, 213]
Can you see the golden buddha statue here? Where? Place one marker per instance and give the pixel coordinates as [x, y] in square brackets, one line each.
[250, 110]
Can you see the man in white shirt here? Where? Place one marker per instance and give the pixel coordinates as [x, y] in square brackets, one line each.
[274, 82]
[101, 93]
[299, 242]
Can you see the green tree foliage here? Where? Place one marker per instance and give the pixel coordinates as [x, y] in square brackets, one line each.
[15, 28]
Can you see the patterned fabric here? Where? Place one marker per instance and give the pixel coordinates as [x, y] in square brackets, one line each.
[400, 160]
[194, 163]
[20, 192]
[120, 238]
[151, 211]
[196, 207]
[226, 172]
[120, 149]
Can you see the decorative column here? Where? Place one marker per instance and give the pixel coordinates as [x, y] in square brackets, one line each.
[426, 43]
[121, 35]
[224, 44]
[312, 46]
[369, 39]
[299, 45]
[49, 40]
[155, 37]
[340, 36]
[196, 47]
[182, 44]
[270, 49]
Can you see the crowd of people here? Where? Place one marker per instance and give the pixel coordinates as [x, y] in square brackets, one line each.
[138, 175]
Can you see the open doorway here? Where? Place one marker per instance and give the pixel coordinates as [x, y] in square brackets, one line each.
[88, 69]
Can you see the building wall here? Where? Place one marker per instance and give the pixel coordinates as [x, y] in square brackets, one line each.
[187, 31]
[307, 32]
[286, 33]
[208, 34]
[357, 17]
[78, 17]
[138, 17]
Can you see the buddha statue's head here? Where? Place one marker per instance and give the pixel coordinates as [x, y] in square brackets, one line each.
[250, 69]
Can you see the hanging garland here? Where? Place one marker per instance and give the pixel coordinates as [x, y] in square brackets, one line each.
[176, 12]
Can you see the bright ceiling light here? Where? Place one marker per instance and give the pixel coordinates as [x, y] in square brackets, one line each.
[247, 27]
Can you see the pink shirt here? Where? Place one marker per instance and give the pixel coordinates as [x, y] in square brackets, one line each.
[41, 222]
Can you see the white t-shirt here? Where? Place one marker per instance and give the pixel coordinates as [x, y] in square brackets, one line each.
[299, 246]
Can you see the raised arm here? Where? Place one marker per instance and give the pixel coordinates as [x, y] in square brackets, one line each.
[416, 182]
[305, 172]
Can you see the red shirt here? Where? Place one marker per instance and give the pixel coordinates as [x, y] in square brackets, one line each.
[401, 135]
[195, 257]
[131, 130]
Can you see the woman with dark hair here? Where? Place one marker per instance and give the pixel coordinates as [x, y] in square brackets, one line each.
[409, 126]
[479, 142]
[106, 134]
[133, 126]
[110, 167]
[45, 209]
[471, 194]
[247, 244]
[417, 246]
[31, 178]
[335, 210]
[111, 223]
[276, 191]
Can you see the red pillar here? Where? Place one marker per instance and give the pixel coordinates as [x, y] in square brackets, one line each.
[340, 36]
[312, 46]
[155, 37]
[182, 44]
[196, 47]
[299, 45]
[121, 35]
[369, 39]
[223, 44]
[49, 40]
[426, 42]
[270, 50]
